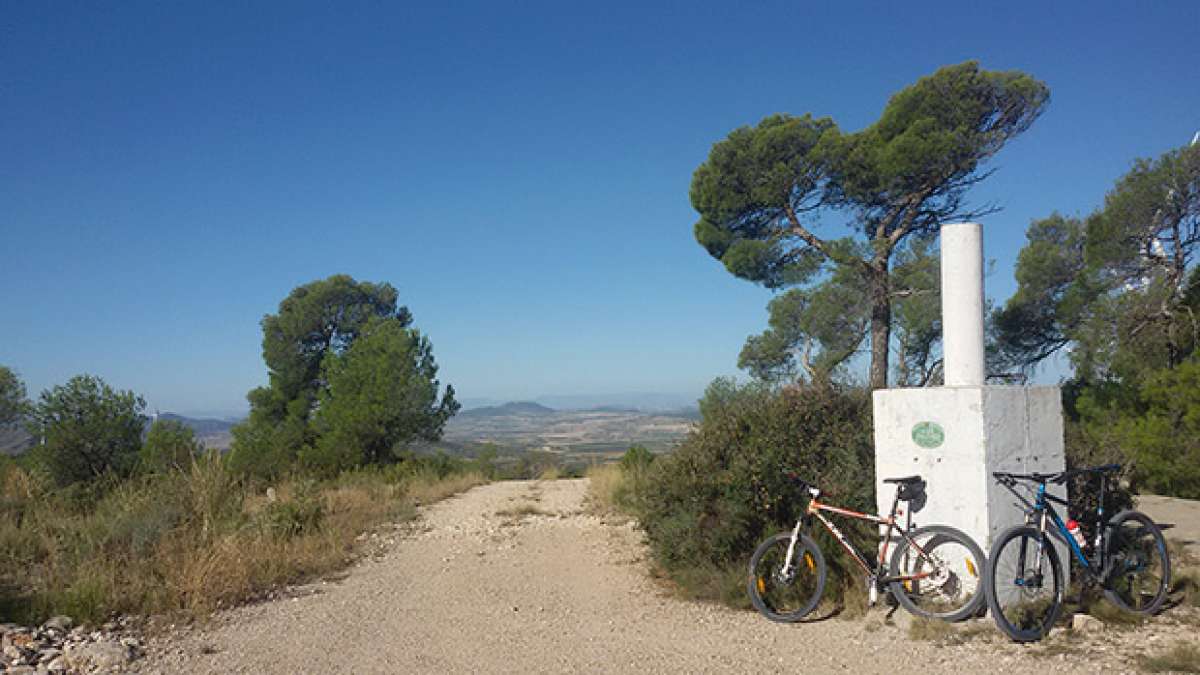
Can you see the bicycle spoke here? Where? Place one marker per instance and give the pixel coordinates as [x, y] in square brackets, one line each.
[938, 573]
[785, 592]
[1026, 592]
[1138, 569]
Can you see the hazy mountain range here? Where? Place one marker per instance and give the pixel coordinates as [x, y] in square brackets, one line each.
[609, 422]
[641, 401]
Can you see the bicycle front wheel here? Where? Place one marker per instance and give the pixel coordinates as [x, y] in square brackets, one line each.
[1024, 583]
[939, 572]
[1139, 569]
[786, 594]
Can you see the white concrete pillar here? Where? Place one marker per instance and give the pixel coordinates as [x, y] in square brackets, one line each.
[955, 436]
[962, 304]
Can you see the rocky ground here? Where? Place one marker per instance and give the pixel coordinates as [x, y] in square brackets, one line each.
[58, 646]
[518, 577]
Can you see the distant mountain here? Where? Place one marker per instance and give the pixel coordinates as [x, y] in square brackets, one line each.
[202, 426]
[614, 409]
[643, 402]
[511, 408]
[476, 402]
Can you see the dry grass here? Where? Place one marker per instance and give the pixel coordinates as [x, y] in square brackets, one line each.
[930, 630]
[1183, 657]
[945, 634]
[1185, 587]
[427, 489]
[1112, 615]
[605, 481]
[1181, 555]
[188, 542]
[550, 473]
[853, 602]
[1060, 643]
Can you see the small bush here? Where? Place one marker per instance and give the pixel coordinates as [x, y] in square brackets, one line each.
[88, 429]
[298, 514]
[707, 505]
[169, 446]
[636, 459]
[604, 482]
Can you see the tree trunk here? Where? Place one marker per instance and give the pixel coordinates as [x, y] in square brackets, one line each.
[881, 321]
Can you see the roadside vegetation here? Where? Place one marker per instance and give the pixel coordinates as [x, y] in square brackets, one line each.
[195, 538]
[105, 515]
[706, 506]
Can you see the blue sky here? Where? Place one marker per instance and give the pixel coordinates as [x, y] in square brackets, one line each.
[519, 171]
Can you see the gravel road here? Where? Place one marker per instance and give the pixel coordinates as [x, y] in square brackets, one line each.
[518, 577]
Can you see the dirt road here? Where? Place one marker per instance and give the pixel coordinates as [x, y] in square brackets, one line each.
[517, 577]
[1179, 518]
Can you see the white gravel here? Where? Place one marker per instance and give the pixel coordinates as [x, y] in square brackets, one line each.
[473, 590]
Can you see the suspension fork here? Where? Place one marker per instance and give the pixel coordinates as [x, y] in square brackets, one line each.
[1043, 514]
[1040, 509]
[787, 561]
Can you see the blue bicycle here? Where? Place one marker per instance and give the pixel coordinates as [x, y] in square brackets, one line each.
[1024, 585]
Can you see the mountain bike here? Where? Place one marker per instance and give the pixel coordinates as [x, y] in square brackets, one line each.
[934, 571]
[1127, 559]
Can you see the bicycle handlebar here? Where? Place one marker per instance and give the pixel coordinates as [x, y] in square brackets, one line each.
[804, 485]
[1060, 477]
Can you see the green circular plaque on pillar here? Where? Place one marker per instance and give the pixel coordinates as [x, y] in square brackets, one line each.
[928, 434]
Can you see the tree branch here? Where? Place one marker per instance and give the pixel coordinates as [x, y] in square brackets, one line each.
[802, 232]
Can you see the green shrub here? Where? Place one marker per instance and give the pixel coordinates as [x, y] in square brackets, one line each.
[88, 430]
[169, 446]
[707, 505]
[636, 459]
[286, 518]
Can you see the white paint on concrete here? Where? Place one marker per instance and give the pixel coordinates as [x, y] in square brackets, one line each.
[962, 304]
[986, 429]
[983, 428]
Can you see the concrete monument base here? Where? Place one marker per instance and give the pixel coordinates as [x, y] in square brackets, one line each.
[955, 437]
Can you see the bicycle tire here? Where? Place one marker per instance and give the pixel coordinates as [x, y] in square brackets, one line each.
[954, 591]
[780, 597]
[1121, 568]
[1021, 615]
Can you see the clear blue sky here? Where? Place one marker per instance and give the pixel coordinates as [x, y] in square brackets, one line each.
[519, 171]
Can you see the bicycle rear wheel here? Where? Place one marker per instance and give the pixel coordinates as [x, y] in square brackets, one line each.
[943, 569]
[1024, 583]
[786, 595]
[1139, 568]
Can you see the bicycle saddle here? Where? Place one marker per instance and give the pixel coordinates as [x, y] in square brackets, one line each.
[907, 480]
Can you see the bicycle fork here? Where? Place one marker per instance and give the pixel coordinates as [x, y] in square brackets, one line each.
[787, 561]
[1023, 578]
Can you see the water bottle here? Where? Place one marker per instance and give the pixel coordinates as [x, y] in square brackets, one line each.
[1073, 528]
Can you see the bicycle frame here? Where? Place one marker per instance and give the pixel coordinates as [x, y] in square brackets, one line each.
[815, 507]
[1043, 511]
